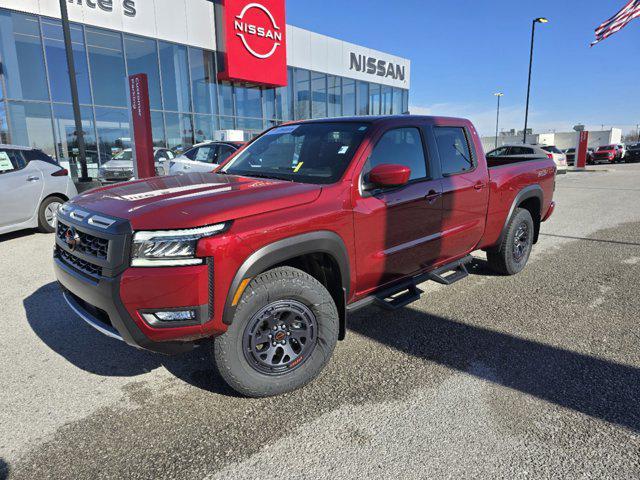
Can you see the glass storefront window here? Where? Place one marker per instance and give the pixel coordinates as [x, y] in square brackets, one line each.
[114, 135]
[65, 130]
[142, 57]
[175, 77]
[203, 81]
[226, 99]
[4, 127]
[303, 94]
[363, 98]
[318, 95]
[179, 131]
[106, 60]
[405, 101]
[374, 99]
[250, 124]
[30, 125]
[334, 96]
[157, 129]
[397, 101]
[22, 59]
[348, 97]
[227, 123]
[270, 107]
[204, 125]
[57, 62]
[386, 100]
[248, 102]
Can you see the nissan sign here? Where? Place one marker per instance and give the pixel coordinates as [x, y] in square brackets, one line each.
[255, 42]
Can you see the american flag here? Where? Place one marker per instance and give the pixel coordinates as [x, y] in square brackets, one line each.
[630, 11]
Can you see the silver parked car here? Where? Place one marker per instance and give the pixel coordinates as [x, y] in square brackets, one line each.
[203, 157]
[33, 186]
[120, 167]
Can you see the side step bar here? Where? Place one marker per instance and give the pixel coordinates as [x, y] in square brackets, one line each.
[401, 295]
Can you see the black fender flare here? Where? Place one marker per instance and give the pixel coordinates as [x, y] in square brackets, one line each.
[532, 191]
[322, 241]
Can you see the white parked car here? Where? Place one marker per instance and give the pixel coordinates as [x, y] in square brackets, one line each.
[557, 155]
[120, 167]
[203, 157]
[33, 186]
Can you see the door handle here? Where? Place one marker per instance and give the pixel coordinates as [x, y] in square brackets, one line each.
[479, 186]
[432, 196]
[186, 167]
[33, 178]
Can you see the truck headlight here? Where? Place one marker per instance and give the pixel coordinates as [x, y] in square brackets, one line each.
[171, 248]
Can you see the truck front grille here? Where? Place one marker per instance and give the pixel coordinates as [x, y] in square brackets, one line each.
[89, 244]
[79, 264]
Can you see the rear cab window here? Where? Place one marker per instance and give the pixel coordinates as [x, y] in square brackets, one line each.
[11, 160]
[455, 153]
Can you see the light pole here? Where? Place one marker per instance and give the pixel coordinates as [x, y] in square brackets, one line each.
[73, 82]
[498, 94]
[638, 130]
[533, 34]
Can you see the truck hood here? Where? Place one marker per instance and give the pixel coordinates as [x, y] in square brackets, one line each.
[194, 200]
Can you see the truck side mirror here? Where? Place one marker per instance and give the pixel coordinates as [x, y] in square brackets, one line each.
[389, 175]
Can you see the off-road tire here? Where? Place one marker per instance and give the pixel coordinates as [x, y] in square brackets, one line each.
[279, 284]
[503, 260]
[43, 224]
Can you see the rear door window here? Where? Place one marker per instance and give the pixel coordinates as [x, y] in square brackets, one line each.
[224, 152]
[402, 146]
[31, 155]
[455, 154]
[11, 160]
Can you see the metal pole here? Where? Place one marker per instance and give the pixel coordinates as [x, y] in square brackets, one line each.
[638, 130]
[497, 117]
[66, 30]
[526, 113]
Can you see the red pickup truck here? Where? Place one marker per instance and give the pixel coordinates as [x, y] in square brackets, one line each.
[265, 258]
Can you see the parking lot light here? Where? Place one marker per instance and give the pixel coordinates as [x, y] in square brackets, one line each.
[533, 33]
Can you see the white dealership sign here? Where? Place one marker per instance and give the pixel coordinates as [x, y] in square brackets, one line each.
[188, 22]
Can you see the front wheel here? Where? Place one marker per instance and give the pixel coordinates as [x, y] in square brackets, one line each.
[513, 254]
[283, 334]
[48, 214]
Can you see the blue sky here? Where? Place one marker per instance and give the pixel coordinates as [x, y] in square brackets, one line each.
[463, 51]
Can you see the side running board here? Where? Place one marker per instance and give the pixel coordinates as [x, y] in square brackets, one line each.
[456, 272]
[407, 292]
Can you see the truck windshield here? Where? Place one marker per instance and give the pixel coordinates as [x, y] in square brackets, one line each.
[305, 153]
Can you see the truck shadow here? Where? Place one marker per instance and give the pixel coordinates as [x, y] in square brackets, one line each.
[4, 469]
[63, 332]
[599, 388]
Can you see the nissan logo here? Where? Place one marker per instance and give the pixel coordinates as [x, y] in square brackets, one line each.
[246, 31]
[72, 239]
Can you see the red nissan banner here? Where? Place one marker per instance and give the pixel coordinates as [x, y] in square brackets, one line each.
[142, 133]
[581, 154]
[255, 42]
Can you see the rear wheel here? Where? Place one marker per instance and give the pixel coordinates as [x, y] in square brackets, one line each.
[48, 214]
[513, 254]
[283, 334]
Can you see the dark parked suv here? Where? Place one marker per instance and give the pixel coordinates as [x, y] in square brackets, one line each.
[633, 153]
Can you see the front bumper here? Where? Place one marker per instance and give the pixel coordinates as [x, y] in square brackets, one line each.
[98, 303]
[101, 287]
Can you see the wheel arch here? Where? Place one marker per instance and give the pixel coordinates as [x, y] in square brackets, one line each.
[529, 198]
[309, 249]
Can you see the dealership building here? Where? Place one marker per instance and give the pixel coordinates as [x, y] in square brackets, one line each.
[212, 67]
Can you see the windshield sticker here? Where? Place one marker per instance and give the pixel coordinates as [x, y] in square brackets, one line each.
[298, 167]
[363, 128]
[283, 130]
[343, 150]
[5, 162]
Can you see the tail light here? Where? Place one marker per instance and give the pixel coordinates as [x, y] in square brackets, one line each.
[63, 172]
[550, 156]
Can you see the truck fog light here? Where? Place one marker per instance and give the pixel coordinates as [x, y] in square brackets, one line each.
[170, 316]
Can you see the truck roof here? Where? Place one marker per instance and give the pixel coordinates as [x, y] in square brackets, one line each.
[381, 119]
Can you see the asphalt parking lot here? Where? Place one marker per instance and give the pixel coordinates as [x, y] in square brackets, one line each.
[533, 376]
